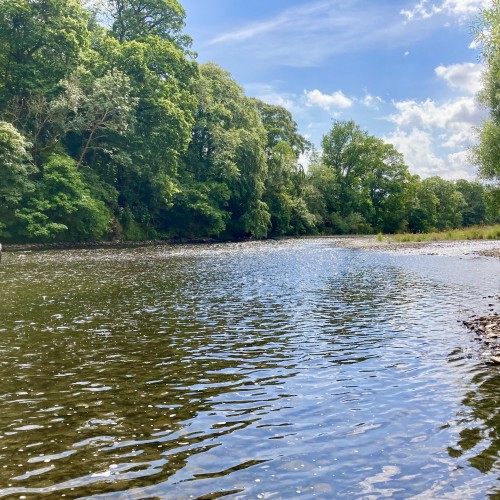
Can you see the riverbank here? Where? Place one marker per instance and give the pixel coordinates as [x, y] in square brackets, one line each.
[27, 247]
[487, 248]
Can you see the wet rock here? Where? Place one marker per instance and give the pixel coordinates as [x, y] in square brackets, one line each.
[487, 330]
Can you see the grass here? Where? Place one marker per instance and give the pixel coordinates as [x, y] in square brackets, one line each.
[468, 233]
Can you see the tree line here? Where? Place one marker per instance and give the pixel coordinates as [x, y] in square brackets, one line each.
[110, 129]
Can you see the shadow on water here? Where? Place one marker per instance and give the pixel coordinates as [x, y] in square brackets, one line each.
[479, 437]
[259, 369]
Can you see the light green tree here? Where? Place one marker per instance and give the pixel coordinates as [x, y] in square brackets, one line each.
[15, 174]
[487, 153]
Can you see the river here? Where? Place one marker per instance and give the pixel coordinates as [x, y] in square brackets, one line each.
[250, 370]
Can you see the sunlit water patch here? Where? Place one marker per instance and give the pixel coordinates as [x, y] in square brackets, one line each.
[255, 370]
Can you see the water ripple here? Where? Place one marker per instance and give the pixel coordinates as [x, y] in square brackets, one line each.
[264, 370]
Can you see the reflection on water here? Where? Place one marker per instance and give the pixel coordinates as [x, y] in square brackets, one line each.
[263, 370]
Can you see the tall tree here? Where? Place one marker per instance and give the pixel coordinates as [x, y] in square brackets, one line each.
[40, 41]
[344, 151]
[138, 19]
[228, 147]
[285, 178]
[487, 153]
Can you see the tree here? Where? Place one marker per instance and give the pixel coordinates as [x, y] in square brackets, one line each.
[63, 207]
[228, 147]
[15, 173]
[487, 153]
[450, 202]
[421, 207]
[475, 195]
[109, 109]
[138, 19]
[343, 152]
[144, 167]
[283, 186]
[40, 41]
[367, 183]
[386, 180]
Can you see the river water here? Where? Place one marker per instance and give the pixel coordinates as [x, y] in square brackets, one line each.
[290, 369]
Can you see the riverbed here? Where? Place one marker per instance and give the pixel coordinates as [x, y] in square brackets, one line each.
[277, 369]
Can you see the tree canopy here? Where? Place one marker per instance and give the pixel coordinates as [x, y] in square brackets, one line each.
[110, 129]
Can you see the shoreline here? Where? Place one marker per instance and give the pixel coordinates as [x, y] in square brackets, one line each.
[357, 242]
[482, 247]
[83, 245]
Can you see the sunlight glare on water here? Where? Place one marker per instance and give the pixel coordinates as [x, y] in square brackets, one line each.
[263, 370]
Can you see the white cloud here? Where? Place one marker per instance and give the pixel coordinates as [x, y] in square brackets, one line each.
[327, 101]
[460, 164]
[419, 150]
[307, 35]
[453, 114]
[466, 77]
[269, 93]
[425, 129]
[255, 29]
[465, 136]
[421, 10]
[459, 9]
[417, 147]
[370, 101]
[465, 8]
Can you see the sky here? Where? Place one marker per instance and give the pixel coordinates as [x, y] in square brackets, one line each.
[406, 71]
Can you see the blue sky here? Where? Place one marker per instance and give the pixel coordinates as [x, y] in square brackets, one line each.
[406, 71]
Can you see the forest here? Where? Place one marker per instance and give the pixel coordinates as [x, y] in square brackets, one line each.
[111, 130]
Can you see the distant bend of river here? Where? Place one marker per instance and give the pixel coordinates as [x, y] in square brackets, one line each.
[252, 370]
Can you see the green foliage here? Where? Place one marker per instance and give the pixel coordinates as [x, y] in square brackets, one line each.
[198, 209]
[40, 41]
[15, 170]
[137, 19]
[110, 129]
[474, 195]
[227, 146]
[63, 207]
[487, 153]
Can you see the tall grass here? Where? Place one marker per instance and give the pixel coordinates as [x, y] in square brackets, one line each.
[468, 233]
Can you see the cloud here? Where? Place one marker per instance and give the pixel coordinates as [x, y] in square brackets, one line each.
[421, 10]
[371, 102]
[307, 35]
[435, 137]
[466, 77]
[417, 147]
[419, 150]
[465, 8]
[327, 101]
[463, 137]
[252, 30]
[459, 9]
[451, 115]
[269, 93]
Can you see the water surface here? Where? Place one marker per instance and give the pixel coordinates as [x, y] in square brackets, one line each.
[255, 370]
